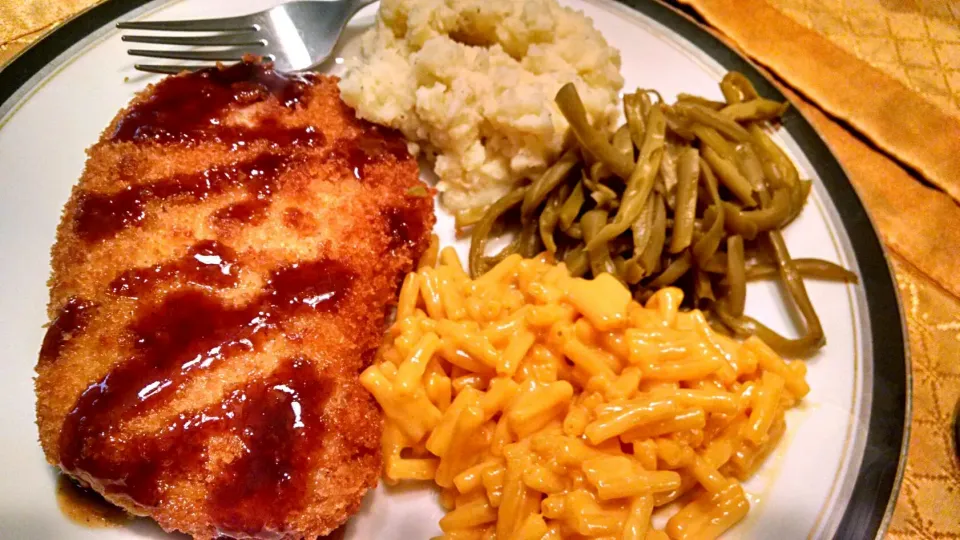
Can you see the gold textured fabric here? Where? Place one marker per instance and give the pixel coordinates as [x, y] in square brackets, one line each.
[915, 41]
[877, 65]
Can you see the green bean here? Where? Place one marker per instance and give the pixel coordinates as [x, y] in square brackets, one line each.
[484, 227]
[605, 197]
[811, 268]
[674, 271]
[755, 110]
[550, 179]
[571, 207]
[707, 245]
[736, 275]
[686, 205]
[730, 176]
[577, 261]
[717, 264]
[668, 167]
[468, 217]
[731, 93]
[599, 253]
[619, 266]
[697, 100]
[738, 87]
[786, 172]
[529, 240]
[712, 139]
[702, 287]
[798, 197]
[811, 339]
[622, 142]
[684, 230]
[712, 118]
[750, 222]
[551, 215]
[650, 258]
[641, 181]
[749, 164]
[634, 110]
[572, 108]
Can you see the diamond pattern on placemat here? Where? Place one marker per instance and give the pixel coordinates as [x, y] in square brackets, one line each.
[915, 41]
[929, 504]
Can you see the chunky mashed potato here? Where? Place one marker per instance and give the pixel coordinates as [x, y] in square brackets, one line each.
[473, 82]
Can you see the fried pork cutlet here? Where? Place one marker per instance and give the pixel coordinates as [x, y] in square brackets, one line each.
[220, 276]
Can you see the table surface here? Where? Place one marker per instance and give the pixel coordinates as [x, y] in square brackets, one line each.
[913, 42]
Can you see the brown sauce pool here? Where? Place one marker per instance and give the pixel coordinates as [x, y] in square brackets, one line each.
[86, 507]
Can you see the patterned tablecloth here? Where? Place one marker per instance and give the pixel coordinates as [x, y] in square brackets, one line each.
[880, 80]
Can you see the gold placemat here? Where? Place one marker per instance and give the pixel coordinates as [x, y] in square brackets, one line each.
[907, 216]
[918, 223]
[900, 121]
[915, 41]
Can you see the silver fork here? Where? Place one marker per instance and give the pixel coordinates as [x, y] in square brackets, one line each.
[295, 36]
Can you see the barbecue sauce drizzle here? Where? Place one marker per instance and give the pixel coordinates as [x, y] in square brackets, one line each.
[191, 109]
[70, 321]
[187, 334]
[188, 110]
[191, 331]
[207, 263]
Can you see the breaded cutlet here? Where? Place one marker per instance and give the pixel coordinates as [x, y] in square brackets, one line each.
[220, 276]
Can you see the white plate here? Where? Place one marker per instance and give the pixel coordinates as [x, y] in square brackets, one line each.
[838, 469]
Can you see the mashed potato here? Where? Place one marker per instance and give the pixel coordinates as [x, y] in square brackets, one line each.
[473, 82]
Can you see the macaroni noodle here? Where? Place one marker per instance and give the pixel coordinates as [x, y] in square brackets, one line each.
[547, 406]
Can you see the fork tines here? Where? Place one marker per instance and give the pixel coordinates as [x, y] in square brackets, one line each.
[234, 38]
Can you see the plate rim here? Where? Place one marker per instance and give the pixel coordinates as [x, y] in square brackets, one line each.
[881, 468]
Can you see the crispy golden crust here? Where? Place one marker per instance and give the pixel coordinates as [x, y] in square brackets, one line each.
[318, 209]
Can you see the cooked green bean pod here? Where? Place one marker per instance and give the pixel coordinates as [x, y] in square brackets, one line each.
[730, 177]
[703, 288]
[640, 230]
[749, 164]
[703, 102]
[685, 211]
[736, 275]
[798, 197]
[750, 222]
[547, 182]
[674, 271]
[714, 119]
[599, 253]
[679, 126]
[483, 228]
[755, 110]
[468, 217]
[529, 241]
[650, 258]
[773, 157]
[645, 204]
[550, 215]
[572, 108]
[707, 245]
[812, 338]
[622, 142]
[737, 88]
[668, 168]
[635, 107]
[808, 268]
[577, 261]
[571, 207]
[641, 180]
[712, 139]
